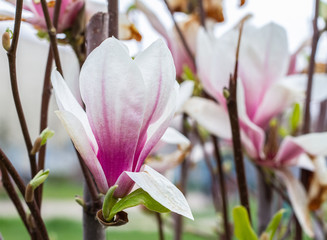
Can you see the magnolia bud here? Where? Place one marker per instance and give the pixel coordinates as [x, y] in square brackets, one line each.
[6, 41]
[226, 93]
[29, 193]
[36, 146]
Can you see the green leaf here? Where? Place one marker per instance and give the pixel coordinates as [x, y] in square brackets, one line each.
[242, 227]
[108, 202]
[45, 135]
[273, 224]
[136, 198]
[295, 117]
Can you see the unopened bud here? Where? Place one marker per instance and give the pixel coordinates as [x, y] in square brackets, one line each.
[6, 41]
[29, 193]
[30, 220]
[226, 93]
[36, 146]
[39, 178]
[80, 201]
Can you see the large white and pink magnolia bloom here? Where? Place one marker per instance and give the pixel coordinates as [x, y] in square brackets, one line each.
[69, 10]
[129, 105]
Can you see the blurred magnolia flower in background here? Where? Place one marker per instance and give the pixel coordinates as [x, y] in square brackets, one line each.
[69, 10]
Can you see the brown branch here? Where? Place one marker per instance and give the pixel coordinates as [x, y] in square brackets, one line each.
[201, 13]
[52, 33]
[14, 198]
[224, 193]
[180, 34]
[21, 186]
[46, 94]
[237, 146]
[178, 226]
[305, 174]
[113, 18]
[160, 226]
[14, 86]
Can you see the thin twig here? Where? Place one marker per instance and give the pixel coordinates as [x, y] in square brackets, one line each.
[178, 226]
[21, 186]
[160, 226]
[180, 34]
[52, 35]
[14, 197]
[305, 174]
[46, 94]
[237, 146]
[14, 86]
[201, 13]
[224, 193]
[113, 18]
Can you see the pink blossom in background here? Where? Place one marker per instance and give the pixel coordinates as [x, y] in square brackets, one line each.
[189, 28]
[129, 105]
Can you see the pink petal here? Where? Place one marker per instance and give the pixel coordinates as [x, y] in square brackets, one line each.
[291, 147]
[276, 100]
[113, 90]
[252, 136]
[263, 60]
[215, 60]
[157, 129]
[77, 133]
[158, 71]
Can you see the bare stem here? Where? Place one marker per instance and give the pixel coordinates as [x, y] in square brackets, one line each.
[305, 174]
[223, 192]
[21, 186]
[14, 197]
[52, 32]
[160, 226]
[113, 18]
[237, 146]
[14, 86]
[178, 226]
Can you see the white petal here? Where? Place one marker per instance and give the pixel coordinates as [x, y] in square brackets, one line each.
[67, 102]
[162, 190]
[210, 115]
[172, 136]
[299, 200]
[78, 135]
[185, 92]
[299, 82]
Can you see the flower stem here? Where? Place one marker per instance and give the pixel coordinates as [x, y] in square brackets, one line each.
[305, 174]
[14, 85]
[160, 226]
[113, 18]
[224, 193]
[234, 121]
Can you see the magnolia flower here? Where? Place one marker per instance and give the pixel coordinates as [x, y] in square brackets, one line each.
[261, 95]
[262, 64]
[129, 105]
[69, 10]
[189, 29]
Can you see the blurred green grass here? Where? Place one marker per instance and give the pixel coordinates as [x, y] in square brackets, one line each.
[62, 229]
